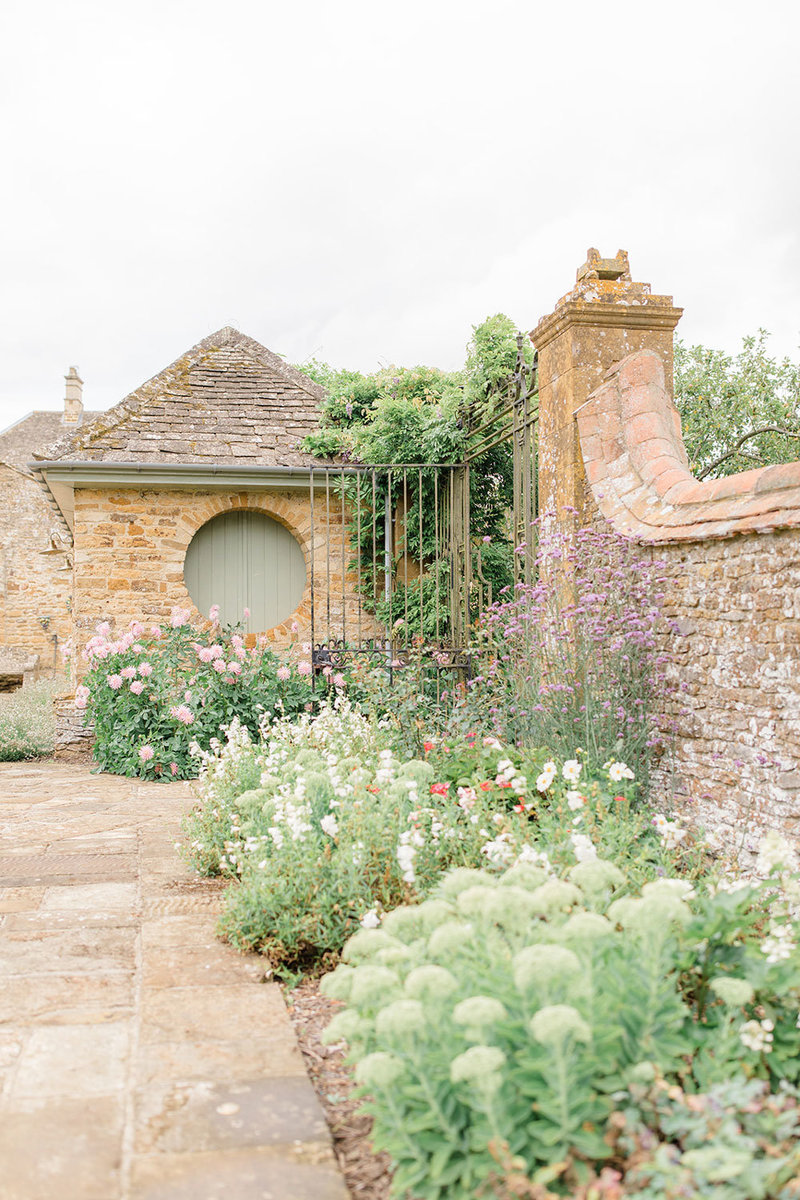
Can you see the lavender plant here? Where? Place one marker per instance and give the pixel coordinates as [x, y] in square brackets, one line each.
[575, 658]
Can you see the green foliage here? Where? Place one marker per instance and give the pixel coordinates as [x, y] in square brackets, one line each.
[154, 694]
[27, 722]
[520, 1012]
[740, 411]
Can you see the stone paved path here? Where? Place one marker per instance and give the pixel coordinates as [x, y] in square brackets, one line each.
[140, 1058]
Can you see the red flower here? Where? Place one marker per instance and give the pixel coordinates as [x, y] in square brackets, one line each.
[520, 808]
[440, 789]
[620, 799]
[485, 785]
[427, 746]
[506, 783]
[371, 787]
[471, 735]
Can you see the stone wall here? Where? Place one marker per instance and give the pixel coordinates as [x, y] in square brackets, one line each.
[613, 454]
[35, 587]
[130, 547]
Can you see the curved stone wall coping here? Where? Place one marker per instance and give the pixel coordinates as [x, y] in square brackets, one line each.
[636, 465]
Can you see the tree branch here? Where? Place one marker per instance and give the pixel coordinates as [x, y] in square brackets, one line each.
[745, 438]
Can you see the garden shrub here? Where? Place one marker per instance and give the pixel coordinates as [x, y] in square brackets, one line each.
[27, 722]
[153, 694]
[531, 1026]
[325, 827]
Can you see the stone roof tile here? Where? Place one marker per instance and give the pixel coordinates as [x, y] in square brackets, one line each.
[227, 400]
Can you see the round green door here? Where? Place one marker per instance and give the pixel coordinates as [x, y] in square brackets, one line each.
[245, 560]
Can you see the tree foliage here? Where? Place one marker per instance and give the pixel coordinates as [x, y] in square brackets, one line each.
[739, 411]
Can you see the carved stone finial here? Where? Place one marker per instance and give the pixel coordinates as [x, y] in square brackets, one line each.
[596, 267]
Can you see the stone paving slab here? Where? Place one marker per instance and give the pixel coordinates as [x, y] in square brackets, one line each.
[140, 1057]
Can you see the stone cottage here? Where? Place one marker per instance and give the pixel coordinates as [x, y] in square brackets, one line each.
[192, 491]
[35, 546]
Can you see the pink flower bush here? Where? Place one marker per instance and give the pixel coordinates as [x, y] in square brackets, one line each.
[128, 672]
[137, 687]
[146, 753]
[283, 673]
[220, 666]
[145, 669]
[82, 695]
[234, 668]
[179, 616]
[206, 654]
[304, 668]
[114, 682]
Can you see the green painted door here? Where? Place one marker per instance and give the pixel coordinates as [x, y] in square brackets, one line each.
[245, 560]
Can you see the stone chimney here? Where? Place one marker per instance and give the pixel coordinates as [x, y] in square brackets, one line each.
[73, 402]
[605, 317]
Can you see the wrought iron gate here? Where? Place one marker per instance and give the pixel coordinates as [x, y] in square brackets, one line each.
[395, 568]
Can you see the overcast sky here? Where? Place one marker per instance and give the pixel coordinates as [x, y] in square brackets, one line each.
[362, 182]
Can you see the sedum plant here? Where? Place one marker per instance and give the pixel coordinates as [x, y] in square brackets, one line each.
[509, 1018]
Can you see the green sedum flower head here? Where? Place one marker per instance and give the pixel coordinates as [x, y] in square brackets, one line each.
[379, 1070]
[586, 927]
[556, 1023]
[555, 897]
[400, 1019]
[477, 1012]
[596, 877]
[430, 982]
[338, 983]
[733, 992]
[545, 964]
[346, 1025]
[479, 1066]
[372, 984]
[450, 937]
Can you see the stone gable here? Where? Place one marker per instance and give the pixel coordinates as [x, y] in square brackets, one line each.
[32, 435]
[228, 400]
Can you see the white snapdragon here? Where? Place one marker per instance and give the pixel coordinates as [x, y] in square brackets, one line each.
[329, 825]
[406, 853]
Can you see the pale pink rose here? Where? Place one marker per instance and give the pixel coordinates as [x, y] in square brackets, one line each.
[181, 713]
[219, 665]
[145, 669]
[137, 687]
[234, 668]
[283, 673]
[114, 682]
[304, 668]
[82, 694]
[128, 672]
[216, 650]
[146, 753]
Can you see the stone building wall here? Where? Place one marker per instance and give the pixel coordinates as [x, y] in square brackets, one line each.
[35, 591]
[611, 452]
[130, 548]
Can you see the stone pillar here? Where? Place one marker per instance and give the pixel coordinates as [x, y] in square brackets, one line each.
[603, 318]
[73, 398]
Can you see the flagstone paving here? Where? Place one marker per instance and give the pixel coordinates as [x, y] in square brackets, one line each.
[140, 1057]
